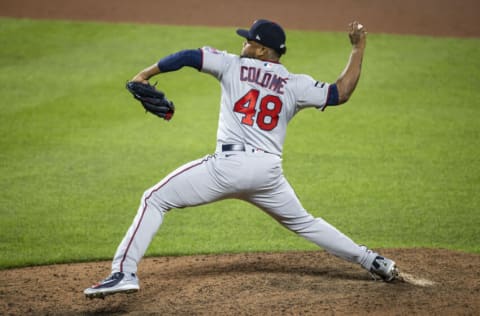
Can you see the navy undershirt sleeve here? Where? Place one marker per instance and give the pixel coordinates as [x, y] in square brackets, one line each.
[332, 98]
[189, 57]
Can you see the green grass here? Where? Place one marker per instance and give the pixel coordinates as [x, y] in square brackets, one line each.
[397, 166]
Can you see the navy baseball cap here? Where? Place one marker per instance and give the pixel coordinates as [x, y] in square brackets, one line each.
[267, 33]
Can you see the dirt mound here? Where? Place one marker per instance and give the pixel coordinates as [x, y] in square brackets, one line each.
[440, 282]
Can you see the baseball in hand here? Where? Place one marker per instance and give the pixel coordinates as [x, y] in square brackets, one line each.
[359, 26]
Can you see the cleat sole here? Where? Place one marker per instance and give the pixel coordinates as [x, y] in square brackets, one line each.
[102, 295]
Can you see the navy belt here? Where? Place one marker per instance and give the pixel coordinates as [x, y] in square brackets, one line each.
[233, 147]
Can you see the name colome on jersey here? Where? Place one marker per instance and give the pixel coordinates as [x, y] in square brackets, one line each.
[263, 78]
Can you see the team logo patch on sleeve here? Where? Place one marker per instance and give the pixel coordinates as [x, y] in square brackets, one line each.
[212, 50]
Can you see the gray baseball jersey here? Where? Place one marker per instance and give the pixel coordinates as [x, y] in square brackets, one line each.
[258, 100]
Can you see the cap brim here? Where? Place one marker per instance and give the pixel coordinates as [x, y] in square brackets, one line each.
[243, 33]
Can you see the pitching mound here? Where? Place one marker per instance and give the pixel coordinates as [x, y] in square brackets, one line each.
[438, 282]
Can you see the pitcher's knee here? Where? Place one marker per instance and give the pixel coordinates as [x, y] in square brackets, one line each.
[301, 224]
[151, 198]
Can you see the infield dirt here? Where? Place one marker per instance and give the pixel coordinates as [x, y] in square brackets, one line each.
[440, 282]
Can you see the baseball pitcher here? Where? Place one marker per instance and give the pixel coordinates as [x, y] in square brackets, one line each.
[259, 97]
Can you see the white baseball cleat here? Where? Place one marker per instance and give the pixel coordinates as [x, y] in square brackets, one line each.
[117, 282]
[384, 268]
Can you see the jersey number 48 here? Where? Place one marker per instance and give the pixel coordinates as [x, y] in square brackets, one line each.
[268, 113]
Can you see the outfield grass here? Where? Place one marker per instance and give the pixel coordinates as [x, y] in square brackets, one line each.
[398, 166]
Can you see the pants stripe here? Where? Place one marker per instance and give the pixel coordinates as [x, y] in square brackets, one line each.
[145, 206]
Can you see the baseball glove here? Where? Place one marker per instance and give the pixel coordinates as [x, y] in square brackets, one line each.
[152, 100]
